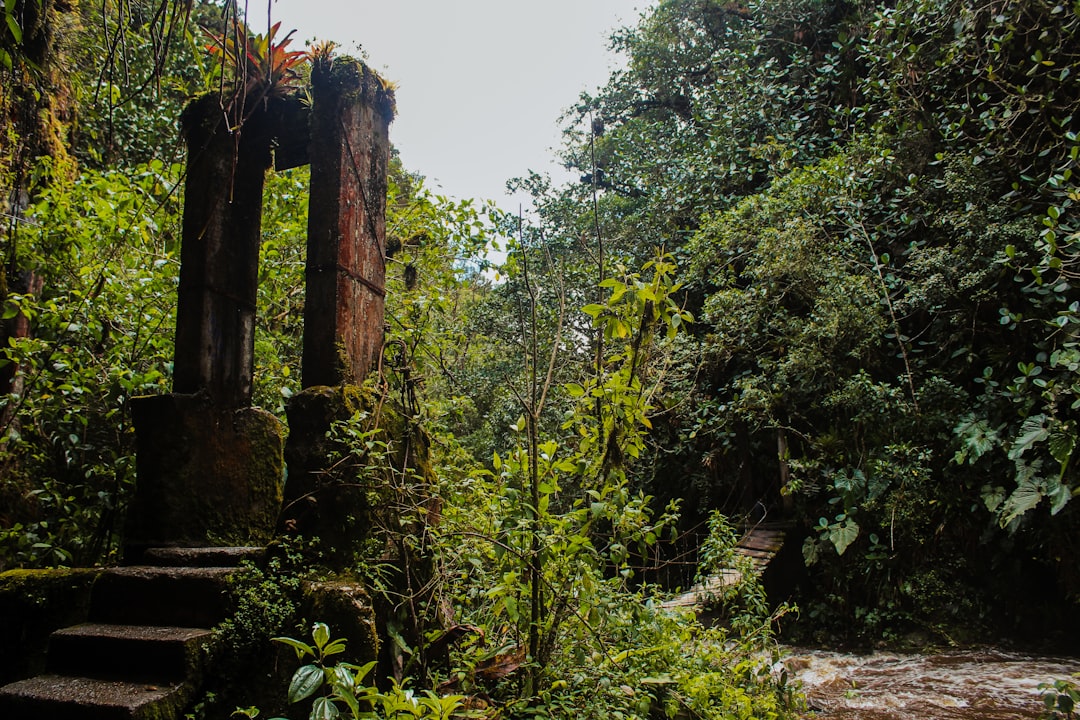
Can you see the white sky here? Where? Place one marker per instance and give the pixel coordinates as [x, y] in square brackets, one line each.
[481, 83]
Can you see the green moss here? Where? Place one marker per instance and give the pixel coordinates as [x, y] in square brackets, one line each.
[207, 476]
[34, 603]
[346, 607]
[350, 78]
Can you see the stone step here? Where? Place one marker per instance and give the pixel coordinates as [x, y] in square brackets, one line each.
[167, 596]
[128, 652]
[59, 697]
[201, 556]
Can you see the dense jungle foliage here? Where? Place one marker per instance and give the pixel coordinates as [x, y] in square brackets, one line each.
[817, 270]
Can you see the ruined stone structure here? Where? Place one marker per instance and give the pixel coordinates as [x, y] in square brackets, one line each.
[210, 466]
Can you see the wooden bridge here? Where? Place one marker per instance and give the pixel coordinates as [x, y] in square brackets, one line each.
[759, 544]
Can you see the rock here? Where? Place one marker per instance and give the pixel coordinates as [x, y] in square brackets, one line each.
[33, 603]
[345, 607]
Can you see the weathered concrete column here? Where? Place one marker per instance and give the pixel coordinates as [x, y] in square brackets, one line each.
[209, 466]
[207, 475]
[219, 254]
[350, 152]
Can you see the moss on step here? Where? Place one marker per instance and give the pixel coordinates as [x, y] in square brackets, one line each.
[33, 603]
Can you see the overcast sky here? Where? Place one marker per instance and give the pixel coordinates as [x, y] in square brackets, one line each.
[481, 83]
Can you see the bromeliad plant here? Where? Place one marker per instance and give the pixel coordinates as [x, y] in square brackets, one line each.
[259, 67]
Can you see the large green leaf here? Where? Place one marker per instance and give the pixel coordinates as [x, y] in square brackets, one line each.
[1031, 432]
[977, 436]
[305, 681]
[844, 534]
[1061, 446]
[1026, 496]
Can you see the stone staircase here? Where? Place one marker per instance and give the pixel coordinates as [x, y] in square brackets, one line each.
[142, 652]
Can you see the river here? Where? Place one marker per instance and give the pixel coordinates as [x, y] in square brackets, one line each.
[970, 684]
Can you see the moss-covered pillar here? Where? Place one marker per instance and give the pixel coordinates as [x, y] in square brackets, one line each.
[349, 151]
[219, 254]
[207, 475]
[209, 466]
[323, 495]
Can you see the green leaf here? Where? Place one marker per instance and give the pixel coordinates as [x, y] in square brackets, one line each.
[1026, 496]
[1031, 432]
[363, 670]
[320, 633]
[978, 438]
[346, 695]
[993, 496]
[1058, 494]
[593, 310]
[341, 676]
[324, 709]
[843, 535]
[334, 648]
[301, 648]
[13, 26]
[305, 681]
[511, 605]
[1061, 446]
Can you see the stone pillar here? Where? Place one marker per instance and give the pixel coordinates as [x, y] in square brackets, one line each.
[219, 254]
[207, 476]
[210, 467]
[350, 152]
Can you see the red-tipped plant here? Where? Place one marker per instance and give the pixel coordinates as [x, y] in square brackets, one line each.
[261, 67]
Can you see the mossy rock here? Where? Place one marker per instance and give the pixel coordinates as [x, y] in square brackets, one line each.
[346, 608]
[337, 491]
[34, 603]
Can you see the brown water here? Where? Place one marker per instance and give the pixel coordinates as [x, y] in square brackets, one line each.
[973, 685]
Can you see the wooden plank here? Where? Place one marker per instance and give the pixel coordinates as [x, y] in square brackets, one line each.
[770, 542]
[759, 546]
